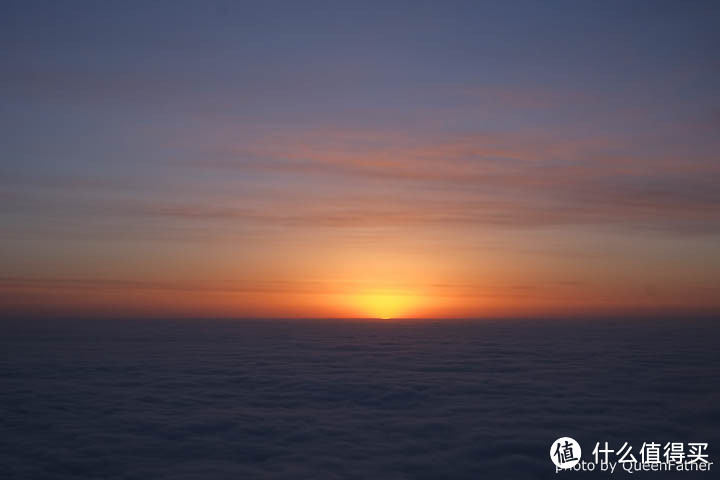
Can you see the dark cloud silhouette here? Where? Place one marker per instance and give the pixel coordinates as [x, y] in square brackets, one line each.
[344, 400]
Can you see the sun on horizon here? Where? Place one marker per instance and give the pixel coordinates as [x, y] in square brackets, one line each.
[385, 305]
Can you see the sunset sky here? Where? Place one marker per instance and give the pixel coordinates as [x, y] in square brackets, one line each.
[359, 159]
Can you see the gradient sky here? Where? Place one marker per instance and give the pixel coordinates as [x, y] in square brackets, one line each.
[352, 159]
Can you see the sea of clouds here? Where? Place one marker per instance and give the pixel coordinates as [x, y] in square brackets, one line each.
[281, 399]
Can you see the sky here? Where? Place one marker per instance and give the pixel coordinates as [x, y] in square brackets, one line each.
[359, 159]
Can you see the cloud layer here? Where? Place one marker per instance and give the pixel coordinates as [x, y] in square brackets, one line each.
[344, 400]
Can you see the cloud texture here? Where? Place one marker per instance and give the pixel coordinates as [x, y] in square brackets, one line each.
[344, 399]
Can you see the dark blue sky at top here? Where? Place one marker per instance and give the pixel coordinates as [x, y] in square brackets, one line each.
[70, 67]
[81, 80]
[373, 51]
